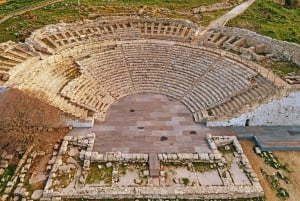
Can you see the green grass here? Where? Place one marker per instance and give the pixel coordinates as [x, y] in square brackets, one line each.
[19, 27]
[8, 173]
[13, 5]
[186, 181]
[268, 18]
[170, 4]
[281, 192]
[263, 16]
[65, 179]
[28, 187]
[202, 167]
[208, 17]
[282, 68]
[96, 175]
[224, 151]
[122, 169]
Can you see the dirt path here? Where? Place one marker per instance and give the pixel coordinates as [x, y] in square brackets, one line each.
[292, 159]
[221, 21]
[29, 8]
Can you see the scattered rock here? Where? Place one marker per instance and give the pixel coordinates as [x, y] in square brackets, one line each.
[37, 194]
[35, 178]
[65, 169]
[146, 173]
[138, 181]
[73, 151]
[108, 165]
[71, 160]
[257, 150]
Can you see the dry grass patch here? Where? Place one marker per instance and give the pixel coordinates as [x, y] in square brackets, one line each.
[290, 159]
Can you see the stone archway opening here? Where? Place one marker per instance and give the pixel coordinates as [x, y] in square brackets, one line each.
[247, 123]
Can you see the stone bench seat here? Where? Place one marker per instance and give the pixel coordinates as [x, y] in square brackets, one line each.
[99, 30]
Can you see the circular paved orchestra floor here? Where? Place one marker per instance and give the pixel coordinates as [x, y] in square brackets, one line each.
[149, 123]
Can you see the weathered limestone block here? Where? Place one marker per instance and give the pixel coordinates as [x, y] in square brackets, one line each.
[87, 155]
[63, 148]
[86, 164]
[37, 194]
[68, 138]
[91, 136]
[110, 156]
[95, 156]
[260, 49]
[180, 156]
[89, 147]
[195, 157]
[118, 155]
[73, 151]
[165, 157]
[204, 156]
[82, 154]
[91, 141]
[218, 156]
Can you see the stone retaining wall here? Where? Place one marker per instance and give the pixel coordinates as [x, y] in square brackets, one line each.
[286, 51]
[284, 112]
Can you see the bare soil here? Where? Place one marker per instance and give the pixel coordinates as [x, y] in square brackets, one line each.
[45, 144]
[292, 159]
[26, 121]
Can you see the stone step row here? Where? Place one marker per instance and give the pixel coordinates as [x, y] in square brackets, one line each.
[60, 38]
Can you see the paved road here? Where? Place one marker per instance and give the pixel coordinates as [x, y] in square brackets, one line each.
[222, 21]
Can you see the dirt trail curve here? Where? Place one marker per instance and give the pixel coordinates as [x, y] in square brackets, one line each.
[221, 21]
[29, 8]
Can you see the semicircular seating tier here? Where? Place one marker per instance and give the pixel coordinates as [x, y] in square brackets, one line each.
[84, 69]
[55, 38]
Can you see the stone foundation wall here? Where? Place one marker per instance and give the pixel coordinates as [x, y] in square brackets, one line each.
[206, 192]
[285, 112]
[202, 192]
